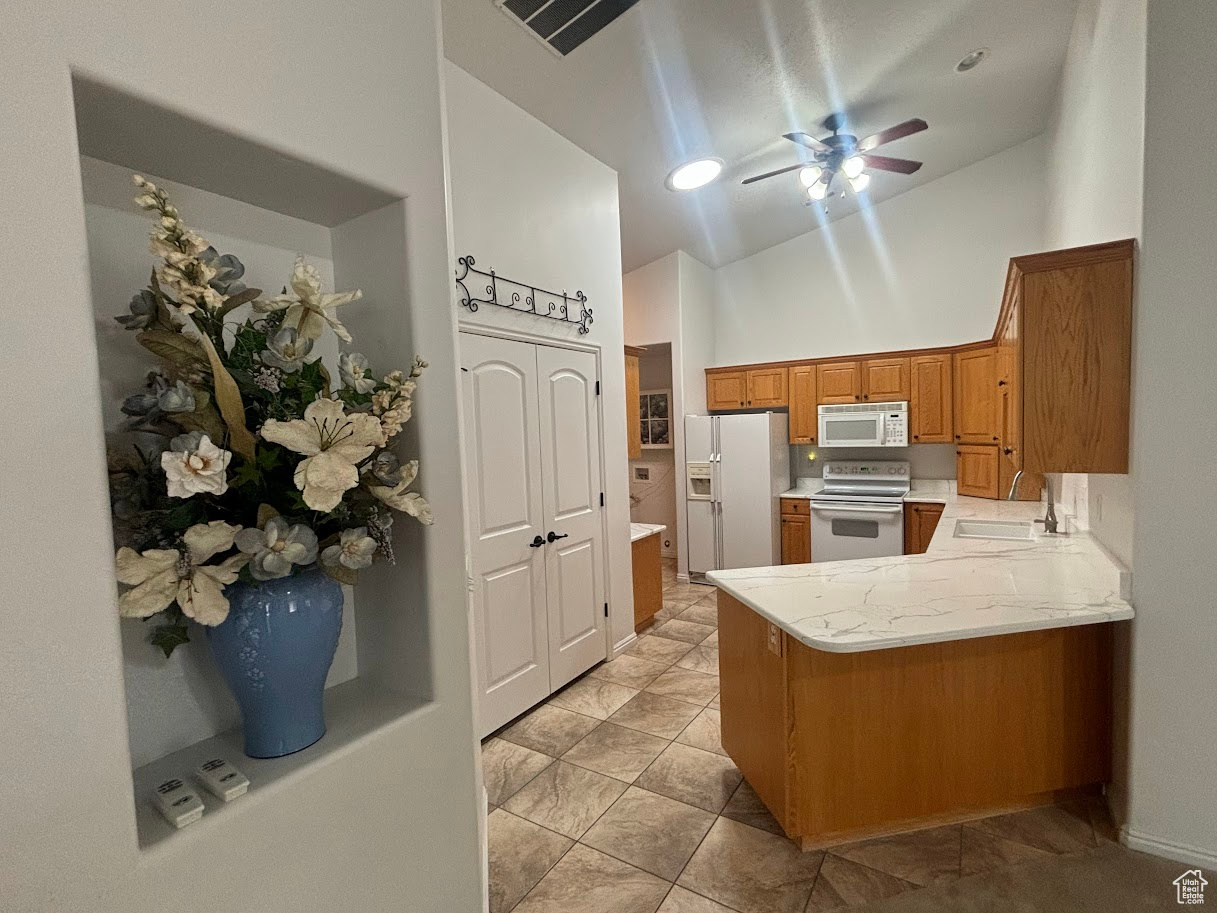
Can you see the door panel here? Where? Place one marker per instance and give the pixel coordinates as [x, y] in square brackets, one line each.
[839, 383]
[767, 387]
[570, 466]
[976, 402]
[931, 403]
[803, 413]
[885, 380]
[726, 390]
[750, 536]
[502, 466]
[976, 470]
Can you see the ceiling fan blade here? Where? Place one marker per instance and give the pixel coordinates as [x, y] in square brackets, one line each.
[909, 127]
[804, 139]
[773, 174]
[886, 163]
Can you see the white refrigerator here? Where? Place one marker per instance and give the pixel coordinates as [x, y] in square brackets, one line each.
[736, 466]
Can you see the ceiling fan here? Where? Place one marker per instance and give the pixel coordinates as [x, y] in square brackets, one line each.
[845, 154]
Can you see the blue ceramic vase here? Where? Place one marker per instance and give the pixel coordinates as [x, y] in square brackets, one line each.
[274, 651]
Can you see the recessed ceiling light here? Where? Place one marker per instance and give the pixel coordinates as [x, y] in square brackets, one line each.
[692, 175]
[971, 60]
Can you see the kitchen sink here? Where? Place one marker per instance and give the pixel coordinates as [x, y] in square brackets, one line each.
[994, 529]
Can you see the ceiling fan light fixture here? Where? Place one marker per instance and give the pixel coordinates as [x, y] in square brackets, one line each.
[971, 60]
[860, 183]
[694, 174]
[810, 175]
[818, 190]
[853, 166]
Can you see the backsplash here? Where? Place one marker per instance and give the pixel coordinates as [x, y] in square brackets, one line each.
[927, 461]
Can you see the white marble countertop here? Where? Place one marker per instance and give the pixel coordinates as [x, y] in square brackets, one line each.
[642, 530]
[932, 490]
[959, 589]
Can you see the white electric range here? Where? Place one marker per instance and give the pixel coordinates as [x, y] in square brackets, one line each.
[859, 513]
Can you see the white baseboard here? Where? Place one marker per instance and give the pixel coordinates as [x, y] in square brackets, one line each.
[624, 645]
[1168, 849]
[682, 578]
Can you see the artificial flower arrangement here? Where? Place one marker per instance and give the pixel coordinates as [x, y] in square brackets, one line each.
[249, 463]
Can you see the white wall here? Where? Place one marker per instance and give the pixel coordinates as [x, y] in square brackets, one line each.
[1095, 181]
[654, 500]
[395, 815]
[925, 268]
[1172, 786]
[531, 205]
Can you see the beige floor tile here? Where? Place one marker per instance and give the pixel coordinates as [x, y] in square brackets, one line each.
[700, 659]
[565, 798]
[751, 871]
[692, 776]
[1105, 829]
[1053, 828]
[659, 649]
[746, 806]
[549, 730]
[923, 857]
[669, 611]
[653, 832]
[685, 685]
[593, 697]
[658, 715]
[520, 855]
[842, 883]
[712, 640]
[682, 900]
[714, 704]
[688, 631]
[616, 751]
[704, 733]
[588, 881]
[629, 671]
[981, 852]
[506, 767]
[702, 613]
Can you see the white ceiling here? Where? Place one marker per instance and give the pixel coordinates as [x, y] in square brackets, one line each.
[672, 80]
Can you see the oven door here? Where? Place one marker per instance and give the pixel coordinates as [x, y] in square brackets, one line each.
[841, 531]
[851, 429]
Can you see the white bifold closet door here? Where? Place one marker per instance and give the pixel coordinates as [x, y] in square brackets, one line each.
[532, 458]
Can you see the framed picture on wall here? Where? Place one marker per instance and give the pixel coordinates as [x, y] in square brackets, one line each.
[656, 417]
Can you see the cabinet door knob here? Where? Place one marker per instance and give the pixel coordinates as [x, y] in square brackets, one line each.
[1008, 450]
[916, 437]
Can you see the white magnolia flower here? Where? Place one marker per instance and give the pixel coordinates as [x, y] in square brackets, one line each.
[351, 368]
[194, 465]
[354, 550]
[334, 443]
[161, 576]
[275, 548]
[399, 498]
[308, 308]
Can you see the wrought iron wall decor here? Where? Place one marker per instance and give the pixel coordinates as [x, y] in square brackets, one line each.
[522, 297]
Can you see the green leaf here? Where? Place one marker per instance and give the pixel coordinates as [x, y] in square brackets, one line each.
[170, 636]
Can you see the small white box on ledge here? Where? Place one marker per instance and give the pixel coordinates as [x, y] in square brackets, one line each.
[222, 780]
[178, 803]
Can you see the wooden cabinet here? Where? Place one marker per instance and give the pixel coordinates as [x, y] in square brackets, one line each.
[796, 531]
[633, 412]
[839, 382]
[885, 380]
[1074, 335]
[976, 470]
[766, 388]
[920, 521]
[648, 580]
[804, 416]
[976, 403]
[726, 390]
[931, 401]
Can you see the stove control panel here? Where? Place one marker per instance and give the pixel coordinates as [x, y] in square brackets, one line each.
[879, 470]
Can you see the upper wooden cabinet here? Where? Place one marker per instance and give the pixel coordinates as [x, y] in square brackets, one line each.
[976, 470]
[633, 411]
[766, 387]
[804, 416]
[976, 400]
[1072, 310]
[931, 401]
[726, 389]
[885, 380]
[839, 382]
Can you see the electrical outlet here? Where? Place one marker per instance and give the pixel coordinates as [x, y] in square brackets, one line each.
[775, 639]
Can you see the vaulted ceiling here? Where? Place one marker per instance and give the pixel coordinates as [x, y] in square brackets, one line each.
[672, 80]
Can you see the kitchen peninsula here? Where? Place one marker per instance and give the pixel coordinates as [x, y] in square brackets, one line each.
[873, 696]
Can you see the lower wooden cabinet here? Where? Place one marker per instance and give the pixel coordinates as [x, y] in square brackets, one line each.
[977, 471]
[796, 531]
[920, 521]
[648, 580]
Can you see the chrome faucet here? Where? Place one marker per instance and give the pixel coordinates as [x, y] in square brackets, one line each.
[1049, 521]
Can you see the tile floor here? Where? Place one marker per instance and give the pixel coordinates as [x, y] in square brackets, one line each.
[615, 796]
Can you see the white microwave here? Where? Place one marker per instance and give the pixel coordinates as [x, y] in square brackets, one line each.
[865, 425]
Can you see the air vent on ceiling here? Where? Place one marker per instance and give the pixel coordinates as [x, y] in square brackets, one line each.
[563, 25]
